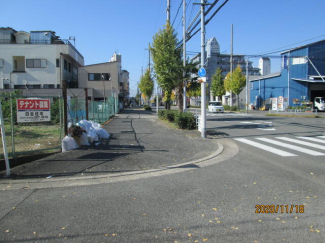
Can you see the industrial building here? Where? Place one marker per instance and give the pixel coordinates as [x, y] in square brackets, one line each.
[300, 80]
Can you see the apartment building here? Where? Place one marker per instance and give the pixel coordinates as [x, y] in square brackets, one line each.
[37, 62]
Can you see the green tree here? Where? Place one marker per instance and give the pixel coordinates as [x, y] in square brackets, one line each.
[217, 84]
[166, 60]
[235, 82]
[146, 85]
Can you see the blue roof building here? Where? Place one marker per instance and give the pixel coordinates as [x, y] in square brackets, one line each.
[302, 77]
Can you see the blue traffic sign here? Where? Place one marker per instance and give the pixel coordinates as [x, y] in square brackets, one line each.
[202, 72]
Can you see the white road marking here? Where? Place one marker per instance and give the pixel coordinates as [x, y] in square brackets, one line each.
[293, 147]
[314, 145]
[313, 139]
[321, 136]
[265, 147]
[267, 129]
[247, 122]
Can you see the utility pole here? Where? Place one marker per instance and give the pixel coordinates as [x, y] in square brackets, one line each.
[168, 10]
[247, 85]
[184, 55]
[149, 56]
[203, 85]
[231, 61]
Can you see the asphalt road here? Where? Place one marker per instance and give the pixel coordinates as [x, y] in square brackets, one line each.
[214, 201]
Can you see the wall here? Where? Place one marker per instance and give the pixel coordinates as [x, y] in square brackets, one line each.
[98, 86]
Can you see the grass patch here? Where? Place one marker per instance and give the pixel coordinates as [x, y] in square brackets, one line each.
[303, 116]
[32, 138]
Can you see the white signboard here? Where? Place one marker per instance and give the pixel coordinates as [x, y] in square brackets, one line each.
[33, 110]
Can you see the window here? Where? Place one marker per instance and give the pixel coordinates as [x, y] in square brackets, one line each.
[69, 67]
[33, 86]
[36, 63]
[6, 86]
[48, 86]
[1, 63]
[106, 76]
[28, 86]
[19, 87]
[299, 60]
[94, 76]
[65, 64]
[57, 62]
[252, 86]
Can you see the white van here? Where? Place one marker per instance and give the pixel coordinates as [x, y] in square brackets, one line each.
[215, 106]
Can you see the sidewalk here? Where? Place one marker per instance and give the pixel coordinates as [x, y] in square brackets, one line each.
[139, 141]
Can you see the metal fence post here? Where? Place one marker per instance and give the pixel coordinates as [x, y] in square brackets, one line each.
[12, 129]
[60, 114]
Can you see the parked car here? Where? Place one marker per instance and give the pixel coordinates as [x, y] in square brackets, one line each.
[215, 106]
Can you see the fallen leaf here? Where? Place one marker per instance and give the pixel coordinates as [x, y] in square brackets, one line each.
[189, 235]
[106, 234]
[318, 231]
[259, 220]
[205, 239]
[283, 222]
[7, 231]
[34, 233]
[202, 215]
[13, 208]
[215, 209]
[254, 183]
[114, 234]
[296, 217]
[278, 219]
[218, 222]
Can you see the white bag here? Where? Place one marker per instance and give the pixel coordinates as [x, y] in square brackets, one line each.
[83, 139]
[102, 133]
[68, 143]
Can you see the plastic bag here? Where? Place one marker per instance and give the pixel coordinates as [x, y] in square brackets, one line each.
[83, 139]
[102, 133]
[68, 143]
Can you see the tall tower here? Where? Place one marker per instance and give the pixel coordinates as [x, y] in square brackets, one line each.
[265, 65]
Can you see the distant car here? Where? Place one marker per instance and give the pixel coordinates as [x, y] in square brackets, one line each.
[153, 104]
[215, 106]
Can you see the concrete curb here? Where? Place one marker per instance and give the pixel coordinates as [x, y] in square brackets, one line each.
[46, 183]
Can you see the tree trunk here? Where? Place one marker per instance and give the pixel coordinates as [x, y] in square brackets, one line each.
[180, 97]
[238, 102]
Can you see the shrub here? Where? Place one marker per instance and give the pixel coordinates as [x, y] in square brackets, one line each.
[147, 108]
[170, 115]
[162, 114]
[185, 120]
[230, 108]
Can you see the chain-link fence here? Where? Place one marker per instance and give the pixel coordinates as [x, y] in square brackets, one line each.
[32, 125]
[101, 111]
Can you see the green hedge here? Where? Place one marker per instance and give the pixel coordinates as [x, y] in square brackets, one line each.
[147, 107]
[230, 108]
[184, 120]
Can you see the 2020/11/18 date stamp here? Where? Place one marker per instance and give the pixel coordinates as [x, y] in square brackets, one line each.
[279, 208]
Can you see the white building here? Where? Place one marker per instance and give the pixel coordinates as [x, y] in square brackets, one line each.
[37, 60]
[265, 65]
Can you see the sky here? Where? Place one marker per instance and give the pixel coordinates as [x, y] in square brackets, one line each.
[102, 27]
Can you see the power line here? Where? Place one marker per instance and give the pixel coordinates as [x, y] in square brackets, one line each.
[179, 44]
[177, 13]
[270, 51]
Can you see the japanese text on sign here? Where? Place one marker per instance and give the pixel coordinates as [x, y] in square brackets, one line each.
[33, 110]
